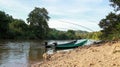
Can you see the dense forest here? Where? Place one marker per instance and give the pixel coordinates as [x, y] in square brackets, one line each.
[35, 28]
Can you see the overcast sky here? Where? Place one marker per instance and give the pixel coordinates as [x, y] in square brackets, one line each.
[87, 13]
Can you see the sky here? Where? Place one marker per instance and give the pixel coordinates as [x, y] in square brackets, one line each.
[65, 14]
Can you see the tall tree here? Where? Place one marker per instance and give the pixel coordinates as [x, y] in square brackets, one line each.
[38, 22]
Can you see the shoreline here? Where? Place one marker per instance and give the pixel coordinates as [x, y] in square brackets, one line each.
[101, 55]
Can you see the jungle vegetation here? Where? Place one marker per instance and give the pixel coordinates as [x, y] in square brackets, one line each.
[35, 28]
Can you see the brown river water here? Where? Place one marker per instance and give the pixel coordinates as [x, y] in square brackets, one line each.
[21, 53]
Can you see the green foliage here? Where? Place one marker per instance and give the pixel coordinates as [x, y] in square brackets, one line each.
[111, 24]
[115, 4]
[11, 28]
[91, 35]
[55, 34]
[37, 27]
[38, 22]
[71, 34]
[5, 19]
[18, 28]
[64, 35]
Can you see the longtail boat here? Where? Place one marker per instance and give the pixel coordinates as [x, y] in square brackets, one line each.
[70, 46]
[72, 42]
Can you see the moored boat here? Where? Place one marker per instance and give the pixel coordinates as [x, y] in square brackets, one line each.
[70, 46]
[64, 44]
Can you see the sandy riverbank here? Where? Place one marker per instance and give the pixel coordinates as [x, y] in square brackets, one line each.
[106, 55]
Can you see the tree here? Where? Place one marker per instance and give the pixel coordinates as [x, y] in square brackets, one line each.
[111, 24]
[71, 34]
[115, 4]
[38, 22]
[5, 19]
[18, 28]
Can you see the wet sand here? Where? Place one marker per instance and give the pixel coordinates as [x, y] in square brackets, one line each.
[105, 55]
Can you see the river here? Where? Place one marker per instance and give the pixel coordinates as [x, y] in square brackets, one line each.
[21, 53]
